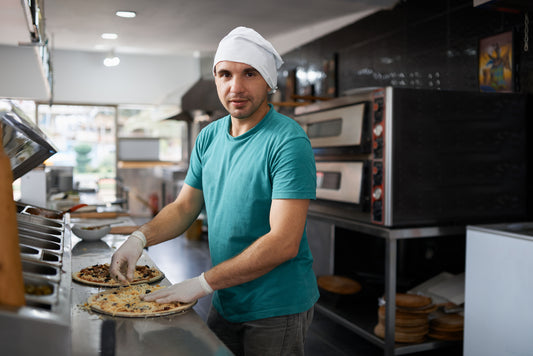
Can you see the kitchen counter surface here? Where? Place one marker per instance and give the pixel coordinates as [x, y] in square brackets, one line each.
[97, 334]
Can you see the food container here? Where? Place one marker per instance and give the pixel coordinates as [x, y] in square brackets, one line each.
[87, 233]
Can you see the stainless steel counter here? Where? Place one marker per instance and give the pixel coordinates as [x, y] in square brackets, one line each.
[97, 334]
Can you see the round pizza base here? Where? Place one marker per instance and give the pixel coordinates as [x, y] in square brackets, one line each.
[181, 309]
[401, 337]
[412, 300]
[157, 278]
[448, 323]
[422, 310]
[131, 295]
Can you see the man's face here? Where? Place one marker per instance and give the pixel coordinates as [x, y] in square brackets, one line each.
[241, 89]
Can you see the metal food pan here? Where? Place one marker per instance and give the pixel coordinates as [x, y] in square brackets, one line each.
[40, 235]
[39, 243]
[33, 269]
[31, 252]
[38, 254]
[51, 258]
[33, 286]
[48, 213]
[40, 228]
[39, 220]
[20, 207]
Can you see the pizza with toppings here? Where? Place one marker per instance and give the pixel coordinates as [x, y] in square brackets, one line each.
[126, 301]
[98, 275]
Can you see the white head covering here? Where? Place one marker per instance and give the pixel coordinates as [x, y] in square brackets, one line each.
[244, 45]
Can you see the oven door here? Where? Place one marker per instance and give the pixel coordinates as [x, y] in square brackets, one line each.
[340, 181]
[338, 127]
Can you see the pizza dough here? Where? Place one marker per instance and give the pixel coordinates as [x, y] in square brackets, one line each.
[126, 302]
[98, 275]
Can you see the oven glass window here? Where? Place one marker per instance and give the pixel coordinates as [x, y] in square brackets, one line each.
[329, 128]
[328, 180]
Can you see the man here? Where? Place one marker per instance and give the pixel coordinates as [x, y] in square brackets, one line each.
[254, 170]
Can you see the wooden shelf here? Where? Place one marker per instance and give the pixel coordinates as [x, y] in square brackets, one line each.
[143, 164]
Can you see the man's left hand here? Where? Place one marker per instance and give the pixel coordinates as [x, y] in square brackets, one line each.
[186, 291]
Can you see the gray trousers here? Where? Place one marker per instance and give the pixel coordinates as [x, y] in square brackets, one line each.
[282, 335]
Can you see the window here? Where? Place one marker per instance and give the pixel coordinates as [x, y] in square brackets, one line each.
[144, 122]
[84, 136]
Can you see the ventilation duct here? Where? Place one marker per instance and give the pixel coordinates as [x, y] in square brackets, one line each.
[203, 94]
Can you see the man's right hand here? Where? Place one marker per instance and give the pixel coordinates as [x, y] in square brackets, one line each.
[125, 259]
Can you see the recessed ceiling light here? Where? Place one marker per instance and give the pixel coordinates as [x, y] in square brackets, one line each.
[126, 14]
[111, 60]
[109, 36]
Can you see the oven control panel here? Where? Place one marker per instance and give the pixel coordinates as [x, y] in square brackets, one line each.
[378, 153]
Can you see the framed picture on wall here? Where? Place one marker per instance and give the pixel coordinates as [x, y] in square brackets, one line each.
[496, 63]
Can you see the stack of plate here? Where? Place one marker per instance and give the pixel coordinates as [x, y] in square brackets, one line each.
[411, 321]
[447, 327]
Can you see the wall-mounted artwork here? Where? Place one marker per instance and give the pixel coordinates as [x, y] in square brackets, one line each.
[496, 63]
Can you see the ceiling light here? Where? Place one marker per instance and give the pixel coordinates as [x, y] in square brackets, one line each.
[126, 14]
[111, 60]
[109, 36]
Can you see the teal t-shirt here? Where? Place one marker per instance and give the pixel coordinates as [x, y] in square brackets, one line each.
[239, 177]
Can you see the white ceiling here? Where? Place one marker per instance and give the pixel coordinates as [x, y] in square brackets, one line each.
[159, 48]
[180, 27]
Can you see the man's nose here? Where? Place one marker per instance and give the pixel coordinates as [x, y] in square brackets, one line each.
[237, 84]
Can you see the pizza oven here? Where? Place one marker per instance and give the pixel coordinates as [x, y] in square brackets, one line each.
[43, 325]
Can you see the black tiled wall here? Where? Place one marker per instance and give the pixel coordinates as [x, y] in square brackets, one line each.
[417, 44]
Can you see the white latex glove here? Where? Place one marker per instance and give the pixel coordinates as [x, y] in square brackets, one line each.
[186, 291]
[125, 259]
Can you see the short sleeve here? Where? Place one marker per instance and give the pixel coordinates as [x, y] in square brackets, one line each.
[194, 173]
[294, 171]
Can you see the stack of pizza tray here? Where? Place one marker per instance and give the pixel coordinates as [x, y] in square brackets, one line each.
[411, 318]
[447, 327]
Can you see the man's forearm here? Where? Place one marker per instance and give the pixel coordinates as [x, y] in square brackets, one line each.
[257, 260]
[175, 218]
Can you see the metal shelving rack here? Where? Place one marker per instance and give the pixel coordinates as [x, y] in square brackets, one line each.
[360, 322]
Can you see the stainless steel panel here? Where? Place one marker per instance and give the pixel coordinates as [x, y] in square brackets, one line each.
[388, 159]
[97, 334]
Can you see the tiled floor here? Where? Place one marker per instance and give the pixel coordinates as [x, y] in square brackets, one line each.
[182, 258]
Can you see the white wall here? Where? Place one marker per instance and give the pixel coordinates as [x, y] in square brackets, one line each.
[144, 79]
[81, 77]
[20, 74]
